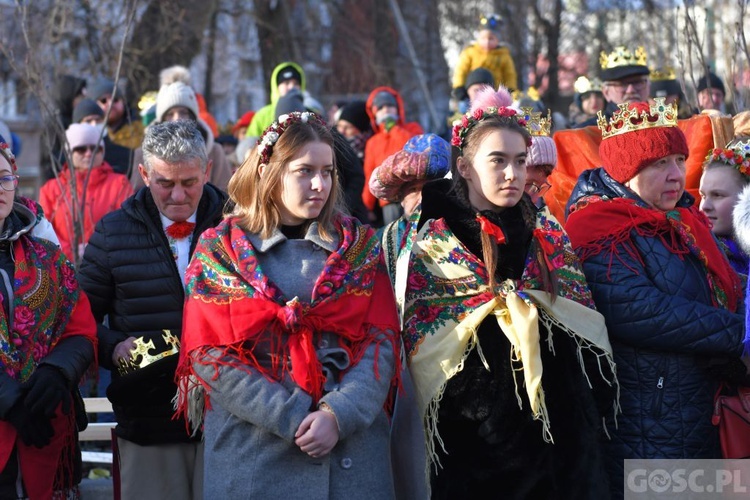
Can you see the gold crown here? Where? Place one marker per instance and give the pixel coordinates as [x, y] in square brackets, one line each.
[140, 357]
[626, 120]
[537, 124]
[621, 56]
[665, 73]
[583, 85]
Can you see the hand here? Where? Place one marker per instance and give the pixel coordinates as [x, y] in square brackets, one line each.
[45, 390]
[34, 430]
[317, 434]
[122, 351]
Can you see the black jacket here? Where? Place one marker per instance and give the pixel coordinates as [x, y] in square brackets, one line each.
[666, 335]
[130, 276]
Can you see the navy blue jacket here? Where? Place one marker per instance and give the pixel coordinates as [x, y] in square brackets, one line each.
[664, 330]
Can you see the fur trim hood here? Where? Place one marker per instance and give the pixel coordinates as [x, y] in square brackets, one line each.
[741, 220]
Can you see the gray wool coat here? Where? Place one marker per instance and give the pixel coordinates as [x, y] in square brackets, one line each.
[249, 430]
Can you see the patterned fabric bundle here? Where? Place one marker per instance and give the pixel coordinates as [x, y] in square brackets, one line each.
[233, 307]
[448, 296]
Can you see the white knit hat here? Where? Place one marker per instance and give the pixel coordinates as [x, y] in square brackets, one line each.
[175, 94]
[542, 151]
[83, 134]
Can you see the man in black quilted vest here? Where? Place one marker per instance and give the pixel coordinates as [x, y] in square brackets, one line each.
[133, 272]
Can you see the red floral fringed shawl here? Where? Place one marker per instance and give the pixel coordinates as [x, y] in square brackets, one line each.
[596, 225]
[233, 306]
[48, 306]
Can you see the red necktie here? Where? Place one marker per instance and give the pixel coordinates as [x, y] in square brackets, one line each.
[180, 230]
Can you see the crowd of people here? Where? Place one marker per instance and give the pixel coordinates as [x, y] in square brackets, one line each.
[344, 306]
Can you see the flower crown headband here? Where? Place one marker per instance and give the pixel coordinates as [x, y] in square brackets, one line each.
[737, 156]
[271, 135]
[461, 128]
[7, 153]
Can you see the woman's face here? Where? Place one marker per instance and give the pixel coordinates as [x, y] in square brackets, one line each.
[82, 156]
[719, 188]
[593, 103]
[496, 176]
[661, 183]
[306, 184]
[6, 197]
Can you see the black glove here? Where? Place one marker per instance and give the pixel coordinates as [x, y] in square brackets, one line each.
[45, 390]
[34, 430]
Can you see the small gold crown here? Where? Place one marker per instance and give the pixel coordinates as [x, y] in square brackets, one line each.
[626, 120]
[537, 124]
[583, 85]
[665, 73]
[621, 56]
[141, 350]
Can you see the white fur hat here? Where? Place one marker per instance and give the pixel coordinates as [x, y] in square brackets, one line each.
[542, 151]
[175, 94]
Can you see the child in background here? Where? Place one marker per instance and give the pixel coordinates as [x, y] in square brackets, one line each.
[486, 52]
[722, 182]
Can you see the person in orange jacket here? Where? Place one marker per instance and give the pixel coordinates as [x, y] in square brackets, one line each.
[386, 111]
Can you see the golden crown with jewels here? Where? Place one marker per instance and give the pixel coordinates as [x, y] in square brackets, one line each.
[626, 120]
[537, 124]
[140, 354]
[621, 56]
[665, 73]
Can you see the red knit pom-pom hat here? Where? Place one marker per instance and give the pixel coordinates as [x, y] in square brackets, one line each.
[625, 155]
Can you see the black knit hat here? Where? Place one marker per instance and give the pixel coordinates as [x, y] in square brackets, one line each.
[480, 75]
[288, 73]
[86, 107]
[711, 80]
[356, 113]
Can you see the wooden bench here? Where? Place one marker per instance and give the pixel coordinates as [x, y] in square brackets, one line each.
[97, 431]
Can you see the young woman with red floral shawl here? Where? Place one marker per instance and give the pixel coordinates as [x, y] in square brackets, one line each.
[510, 359]
[291, 335]
[47, 341]
[668, 293]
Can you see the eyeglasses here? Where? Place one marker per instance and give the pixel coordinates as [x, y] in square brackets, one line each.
[637, 84]
[9, 182]
[81, 150]
[534, 188]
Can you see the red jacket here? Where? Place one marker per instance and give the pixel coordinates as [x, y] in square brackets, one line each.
[105, 192]
[383, 144]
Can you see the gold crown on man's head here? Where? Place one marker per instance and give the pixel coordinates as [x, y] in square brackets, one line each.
[629, 120]
[621, 56]
[665, 73]
[537, 124]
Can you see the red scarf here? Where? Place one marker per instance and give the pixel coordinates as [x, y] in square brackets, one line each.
[48, 307]
[600, 225]
[232, 306]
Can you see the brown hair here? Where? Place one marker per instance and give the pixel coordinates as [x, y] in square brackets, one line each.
[471, 144]
[257, 197]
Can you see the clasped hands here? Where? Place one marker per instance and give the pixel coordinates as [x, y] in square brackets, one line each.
[318, 433]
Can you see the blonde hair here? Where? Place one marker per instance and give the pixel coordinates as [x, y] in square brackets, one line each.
[257, 197]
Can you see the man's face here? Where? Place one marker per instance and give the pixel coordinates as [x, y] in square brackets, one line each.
[286, 86]
[711, 99]
[628, 89]
[176, 187]
[118, 108]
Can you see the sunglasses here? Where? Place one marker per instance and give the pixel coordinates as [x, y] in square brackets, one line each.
[81, 150]
[106, 99]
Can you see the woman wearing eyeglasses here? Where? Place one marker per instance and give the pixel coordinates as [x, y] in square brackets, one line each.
[540, 162]
[99, 190]
[47, 341]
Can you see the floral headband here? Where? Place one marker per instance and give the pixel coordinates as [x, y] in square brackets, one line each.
[274, 131]
[6, 153]
[737, 156]
[462, 127]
